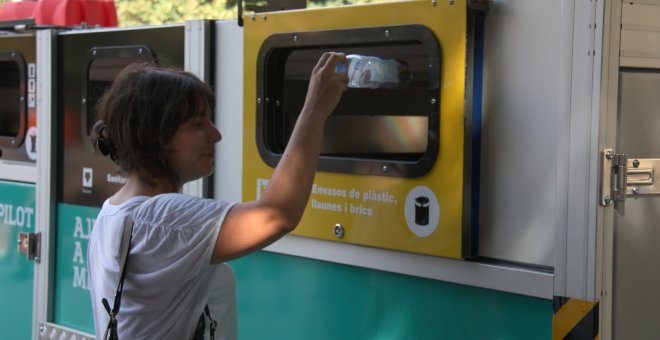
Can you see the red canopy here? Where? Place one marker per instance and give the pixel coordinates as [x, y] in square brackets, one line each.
[62, 12]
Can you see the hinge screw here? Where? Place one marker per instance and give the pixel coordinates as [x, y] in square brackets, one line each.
[609, 154]
[607, 200]
[635, 163]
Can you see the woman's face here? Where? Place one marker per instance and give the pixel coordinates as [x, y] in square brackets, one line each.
[192, 147]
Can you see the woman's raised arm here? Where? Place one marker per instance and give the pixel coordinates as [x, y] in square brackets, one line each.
[252, 226]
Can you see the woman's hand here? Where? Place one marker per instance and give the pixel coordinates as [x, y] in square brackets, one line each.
[325, 85]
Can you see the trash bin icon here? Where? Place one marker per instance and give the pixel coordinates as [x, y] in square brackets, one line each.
[421, 210]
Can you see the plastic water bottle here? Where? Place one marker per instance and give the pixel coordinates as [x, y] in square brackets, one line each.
[373, 72]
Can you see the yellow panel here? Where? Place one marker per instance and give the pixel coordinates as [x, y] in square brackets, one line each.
[380, 219]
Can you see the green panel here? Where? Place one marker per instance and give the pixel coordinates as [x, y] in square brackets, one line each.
[16, 272]
[72, 306]
[286, 297]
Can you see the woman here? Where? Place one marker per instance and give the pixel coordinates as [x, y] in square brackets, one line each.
[156, 126]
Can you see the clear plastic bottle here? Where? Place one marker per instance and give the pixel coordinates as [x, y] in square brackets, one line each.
[373, 72]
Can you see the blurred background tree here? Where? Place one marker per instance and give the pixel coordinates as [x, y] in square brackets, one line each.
[155, 12]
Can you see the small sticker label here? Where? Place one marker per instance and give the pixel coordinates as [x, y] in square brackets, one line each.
[87, 177]
[31, 143]
[422, 211]
[32, 70]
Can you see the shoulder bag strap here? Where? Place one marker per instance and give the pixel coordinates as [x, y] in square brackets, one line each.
[126, 238]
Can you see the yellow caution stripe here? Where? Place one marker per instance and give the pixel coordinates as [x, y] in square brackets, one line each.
[574, 319]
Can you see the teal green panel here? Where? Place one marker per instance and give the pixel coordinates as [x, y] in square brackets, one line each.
[286, 297]
[72, 306]
[17, 215]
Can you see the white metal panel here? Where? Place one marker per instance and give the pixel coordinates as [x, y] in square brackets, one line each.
[607, 139]
[18, 172]
[640, 34]
[197, 61]
[636, 275]
[523, 107]
[45, 192]
[228, 177]
[502, 278]
[583, 156]
[575, 257]
[539, 146]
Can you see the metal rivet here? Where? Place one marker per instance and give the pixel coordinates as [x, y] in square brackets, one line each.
[277, 103]
[295, 38]
[338, 230]
[93, 52]
[635, 189]
[451, 2]
[609, 155]
[434, 2]
[433, 101]
[385, 168]
[387, 33]
[258, 100]
[140, 51]
[607, 200]
[84, 100]
[635, 163]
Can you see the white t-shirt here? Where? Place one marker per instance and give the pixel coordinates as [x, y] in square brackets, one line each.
[169, 276]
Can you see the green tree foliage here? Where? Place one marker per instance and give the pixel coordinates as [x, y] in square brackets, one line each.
[154, 12]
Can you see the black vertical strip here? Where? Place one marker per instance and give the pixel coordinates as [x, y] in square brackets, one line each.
[587, 328]
[240, 12]
[477, 94]
[558, 302]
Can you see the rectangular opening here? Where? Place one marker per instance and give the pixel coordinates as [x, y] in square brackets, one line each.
[391, 131]
[104, 65]
[12, 98]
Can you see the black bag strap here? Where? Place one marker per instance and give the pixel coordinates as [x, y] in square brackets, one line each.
[201, 325]
[127, 236]
[212, 323]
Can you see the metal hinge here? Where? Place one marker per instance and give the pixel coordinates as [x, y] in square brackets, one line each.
[623, 176]
[30, 245]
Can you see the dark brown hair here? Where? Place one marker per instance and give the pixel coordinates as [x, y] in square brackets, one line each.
[141, 111]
